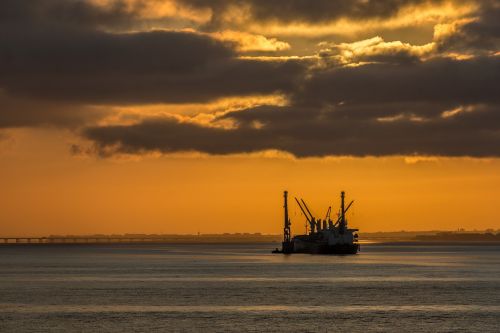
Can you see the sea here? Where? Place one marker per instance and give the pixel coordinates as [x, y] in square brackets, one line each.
[245, 288]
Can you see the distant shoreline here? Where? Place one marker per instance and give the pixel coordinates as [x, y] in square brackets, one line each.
[378, 238]
[374, 243]
[431, 243]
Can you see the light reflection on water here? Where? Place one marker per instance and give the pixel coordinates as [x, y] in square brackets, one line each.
[245, 288]
[20, 308]
[304, 280]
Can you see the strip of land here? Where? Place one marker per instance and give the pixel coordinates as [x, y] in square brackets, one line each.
[414, 237]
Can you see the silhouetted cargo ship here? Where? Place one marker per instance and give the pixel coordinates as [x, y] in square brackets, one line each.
[324, 236]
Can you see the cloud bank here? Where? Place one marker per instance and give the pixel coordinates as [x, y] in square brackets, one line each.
[70, 63]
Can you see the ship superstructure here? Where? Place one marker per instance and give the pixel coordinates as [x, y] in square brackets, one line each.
[322, 236]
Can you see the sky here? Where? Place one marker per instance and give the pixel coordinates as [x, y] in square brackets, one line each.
[186, 116]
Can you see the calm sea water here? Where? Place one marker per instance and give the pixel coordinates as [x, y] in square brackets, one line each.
[245, 288]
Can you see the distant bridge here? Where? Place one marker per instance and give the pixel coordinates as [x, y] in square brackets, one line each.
[81, 240]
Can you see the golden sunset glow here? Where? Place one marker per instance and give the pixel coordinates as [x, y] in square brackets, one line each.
[183, 116]
[190, 193]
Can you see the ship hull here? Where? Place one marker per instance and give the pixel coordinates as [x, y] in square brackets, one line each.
[312, 247]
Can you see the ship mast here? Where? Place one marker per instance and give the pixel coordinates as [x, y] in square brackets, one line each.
[342, 213]
[287, 245]
[286, 229]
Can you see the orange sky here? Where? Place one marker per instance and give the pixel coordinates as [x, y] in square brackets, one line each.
[182, 116]
[47, 191]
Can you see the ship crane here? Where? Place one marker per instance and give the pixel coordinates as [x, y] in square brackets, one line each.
[303, 211]
[310, 219]
[287, 245]
[307, 208]
[328, 212]
[327, 222]
[345, 211]
[315, 223]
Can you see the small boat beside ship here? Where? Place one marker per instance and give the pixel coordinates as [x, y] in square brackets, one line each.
[323, 236]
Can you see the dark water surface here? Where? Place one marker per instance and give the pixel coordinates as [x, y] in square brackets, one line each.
[245, 288]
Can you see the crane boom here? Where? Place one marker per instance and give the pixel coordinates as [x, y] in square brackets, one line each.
[349, 205]
[307, 208]
[345, 211]
[327, 217]
[303, 211]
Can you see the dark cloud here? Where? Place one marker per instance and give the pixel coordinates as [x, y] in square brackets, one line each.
[438, 80]
[123, 13]
[304, 10]
[20, 112]
[57, 58]
[442, 107]
[54, 60]
[147, 67]
[68, 13]
[482, 34]
[306, 133]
